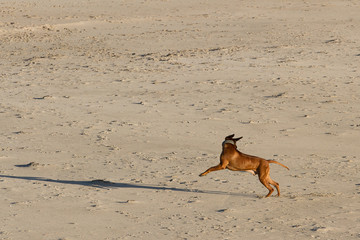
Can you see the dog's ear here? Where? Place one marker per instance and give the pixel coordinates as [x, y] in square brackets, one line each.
[237, 139]
[230, 137]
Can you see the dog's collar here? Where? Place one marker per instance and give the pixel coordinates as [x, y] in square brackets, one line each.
[229, 141]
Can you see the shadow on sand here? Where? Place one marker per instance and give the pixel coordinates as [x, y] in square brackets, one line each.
[108, 185]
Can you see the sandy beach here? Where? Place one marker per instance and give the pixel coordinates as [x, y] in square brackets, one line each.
[110, 110]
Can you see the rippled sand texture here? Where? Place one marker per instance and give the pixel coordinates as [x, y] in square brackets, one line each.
[109, 111]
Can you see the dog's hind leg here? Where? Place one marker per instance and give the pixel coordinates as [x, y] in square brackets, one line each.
[272, 182]
[267, 185]
[264, 177]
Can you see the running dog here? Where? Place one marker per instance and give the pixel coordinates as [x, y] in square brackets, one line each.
[234, 160]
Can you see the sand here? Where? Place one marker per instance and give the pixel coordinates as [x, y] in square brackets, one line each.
[109, 111]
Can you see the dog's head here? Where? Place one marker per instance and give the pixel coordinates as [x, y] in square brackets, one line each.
[230, 139]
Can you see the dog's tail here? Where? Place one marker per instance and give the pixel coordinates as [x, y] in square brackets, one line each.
[273, 161]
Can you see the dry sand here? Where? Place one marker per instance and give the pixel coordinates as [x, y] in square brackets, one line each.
[109, 110]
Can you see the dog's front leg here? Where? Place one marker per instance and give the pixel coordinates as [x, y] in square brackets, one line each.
[221, 166]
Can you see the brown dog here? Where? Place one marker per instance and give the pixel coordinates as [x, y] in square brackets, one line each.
[234, 160]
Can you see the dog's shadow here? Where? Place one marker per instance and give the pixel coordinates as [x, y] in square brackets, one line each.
[109, 185]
